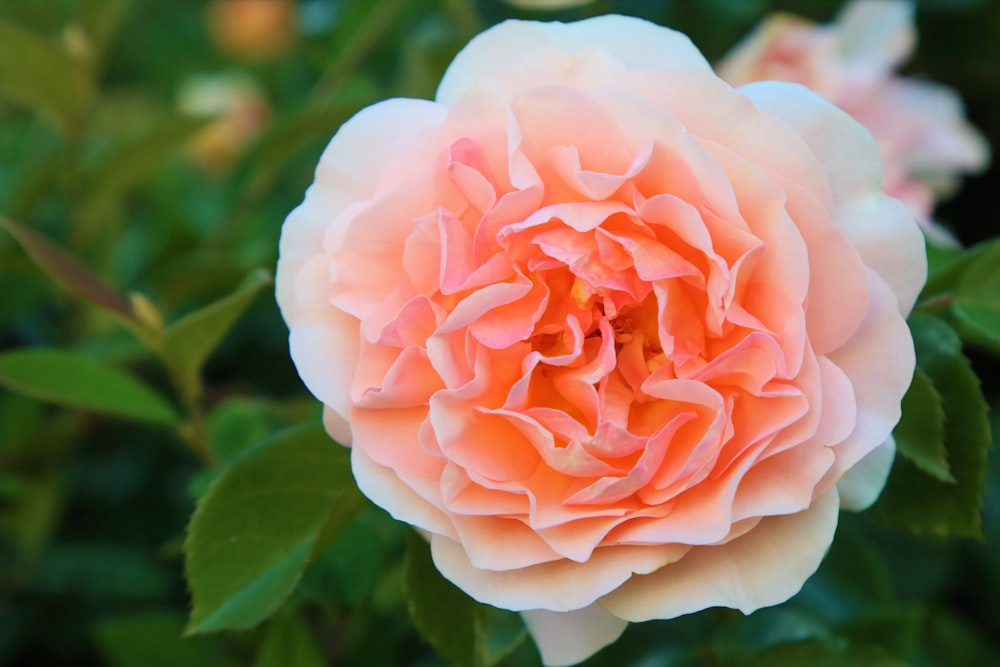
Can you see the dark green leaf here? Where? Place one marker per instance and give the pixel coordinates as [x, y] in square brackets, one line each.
[463, 631]
[155, 639]
[28, 522]
[816, 653]
[256, 529]
[35, 73]
[977, 300]
[915, 500]
[74, 379]
[189, 341]
[920, 433]
[68, 271]
[288, 643]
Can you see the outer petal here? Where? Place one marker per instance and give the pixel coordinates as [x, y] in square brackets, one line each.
[886, 236]
[879, 361]
[384, 488]
[861, 485]
[569, 637]
[557, 585]
[506, 51]
[764, 567]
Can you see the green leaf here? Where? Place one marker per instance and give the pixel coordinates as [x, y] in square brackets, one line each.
[188, 341]
[461, 630]
[239, 423]
[74, 379]
[33, 72]
[258, 526]
[818, 653]
[288, 643]
[915, 500]
[977, 300]
[155, 639]
[31, 518]
[920, 433]
[69, 272]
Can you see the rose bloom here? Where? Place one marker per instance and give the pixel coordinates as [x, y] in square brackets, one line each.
[618, 338]
[920, 126]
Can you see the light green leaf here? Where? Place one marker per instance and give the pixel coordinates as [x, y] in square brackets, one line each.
[920, 433]
[155, 639]
[461, 630]
[977, 300]
[259, 525]
[915, 500]
[288, 643]
[35, 73]
[74, 379]
[188, 341]
[68, 271]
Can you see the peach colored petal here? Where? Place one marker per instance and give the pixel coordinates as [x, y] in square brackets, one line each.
[553, 586]
[385, 488]
[764, 567]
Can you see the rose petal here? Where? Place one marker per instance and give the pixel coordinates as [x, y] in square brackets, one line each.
[764, 567]
[569, 637]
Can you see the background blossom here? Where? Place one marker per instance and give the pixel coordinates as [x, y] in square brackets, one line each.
[920, 127]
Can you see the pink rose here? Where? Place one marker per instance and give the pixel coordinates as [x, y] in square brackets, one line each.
[920, 127]
[619, 339]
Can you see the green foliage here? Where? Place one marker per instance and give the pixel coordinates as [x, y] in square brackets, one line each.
[920, 433]
[78, 380]
[287, 641]
[259, 525]
[154, 639]
[465, 632]
[977, 299]
[189, 341]
[929, 504]
[825, 654]
[36, 73]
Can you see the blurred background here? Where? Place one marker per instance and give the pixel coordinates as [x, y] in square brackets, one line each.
[163, 143]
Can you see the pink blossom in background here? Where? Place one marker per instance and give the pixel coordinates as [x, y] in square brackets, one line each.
[924, 138]
[619, 339]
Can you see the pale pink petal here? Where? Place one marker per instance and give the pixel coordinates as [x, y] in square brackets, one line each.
[879, 361]
[876, 34]
[324, 341]
[862, 484]
[509, 49]
[889, 242]
[569, 637]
